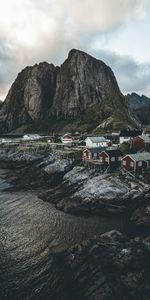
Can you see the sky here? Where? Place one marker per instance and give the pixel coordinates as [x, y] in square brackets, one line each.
[115, 31]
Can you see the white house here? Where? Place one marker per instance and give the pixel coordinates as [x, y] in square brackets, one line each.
[124, 139]
[127, 135]
[31, 137]
[98, 141]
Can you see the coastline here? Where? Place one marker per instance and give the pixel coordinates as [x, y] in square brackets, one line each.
[93, 266]
[74, 189]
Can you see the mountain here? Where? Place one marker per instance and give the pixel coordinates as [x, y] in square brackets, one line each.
[140, 105]
[81, 94]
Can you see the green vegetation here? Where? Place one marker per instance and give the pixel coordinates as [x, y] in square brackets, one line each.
[48, 125]
[147, 130]
[125, 148]
[109, 111]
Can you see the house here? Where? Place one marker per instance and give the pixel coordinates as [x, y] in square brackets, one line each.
[111, 157]
[141, 142]
[91, 153]
[98, 141]
[31, 137]
[136, 162]
[67, 138]
[127, 135]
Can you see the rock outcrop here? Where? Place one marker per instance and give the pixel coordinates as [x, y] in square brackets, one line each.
[140, 105]
[86, 192]
[108, 267]
[83, 81]
[44, 168]
[30, 96]
[141, 217]
[83, 90]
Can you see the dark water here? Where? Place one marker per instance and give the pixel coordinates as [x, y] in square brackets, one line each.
[30, 230]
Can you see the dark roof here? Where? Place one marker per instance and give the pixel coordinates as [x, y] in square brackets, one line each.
[113, 152]
[95, 150]
[130, 133]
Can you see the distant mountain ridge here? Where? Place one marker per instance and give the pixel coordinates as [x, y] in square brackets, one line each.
[80, 94]
[140, 105]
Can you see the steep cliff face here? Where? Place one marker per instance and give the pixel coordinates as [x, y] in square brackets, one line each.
[30, 97]
[140, 105]
[82, 86]
[83, 81]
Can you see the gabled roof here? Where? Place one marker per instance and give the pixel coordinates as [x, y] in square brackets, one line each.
[66, 136]
[95, 149]
[130, 133]
[97, 139]
[113, 152]
[143, 156]
[145, 138]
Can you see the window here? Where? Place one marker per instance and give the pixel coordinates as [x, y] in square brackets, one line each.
[101, 159]
[95, 155]
[140, 164]
[106, 159]
[131, 164]
[124, 163]
[112, 158]
[119, 158]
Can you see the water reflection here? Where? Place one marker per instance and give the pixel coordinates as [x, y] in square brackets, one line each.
[30, 230]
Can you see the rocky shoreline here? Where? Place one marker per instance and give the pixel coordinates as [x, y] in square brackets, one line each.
[109, 266]
[74, 189]
[106, 267]
[84, 192]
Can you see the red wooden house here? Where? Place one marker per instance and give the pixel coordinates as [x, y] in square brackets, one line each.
[136, 162]
[91, 153]
[110, 157]
[140, 142]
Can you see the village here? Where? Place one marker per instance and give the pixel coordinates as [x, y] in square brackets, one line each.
[127, 151]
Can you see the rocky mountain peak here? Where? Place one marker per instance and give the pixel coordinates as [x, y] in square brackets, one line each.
[45, 92]
[85, 81]
[140, 105]
[77, 53]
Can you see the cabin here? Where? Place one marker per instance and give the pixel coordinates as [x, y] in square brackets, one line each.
[141, 142]
[127, 135]
[98, 141]
[136, 162]
[91, 153]
[67, 138]
[111, 157]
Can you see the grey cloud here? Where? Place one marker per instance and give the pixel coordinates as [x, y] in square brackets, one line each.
[131, 75]
[34, 31]
[8, 67]
[103, 15]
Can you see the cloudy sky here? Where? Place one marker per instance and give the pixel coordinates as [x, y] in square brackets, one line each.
[116, 31]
